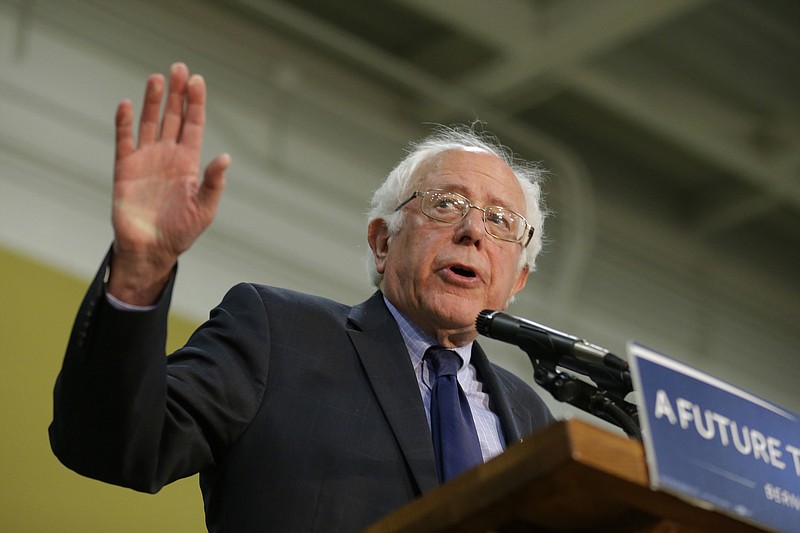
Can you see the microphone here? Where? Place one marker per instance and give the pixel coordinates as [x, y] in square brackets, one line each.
[558, 348]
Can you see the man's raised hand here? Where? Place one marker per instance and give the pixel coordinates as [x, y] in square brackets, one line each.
[160, 203]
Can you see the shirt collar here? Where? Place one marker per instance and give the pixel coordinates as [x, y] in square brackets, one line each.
[417, 341]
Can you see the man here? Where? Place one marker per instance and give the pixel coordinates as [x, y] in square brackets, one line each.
[301, 414]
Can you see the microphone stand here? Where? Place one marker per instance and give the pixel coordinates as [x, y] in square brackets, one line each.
[587, 397]
[548, 349]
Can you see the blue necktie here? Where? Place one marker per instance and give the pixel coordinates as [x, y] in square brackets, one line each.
[455, 441]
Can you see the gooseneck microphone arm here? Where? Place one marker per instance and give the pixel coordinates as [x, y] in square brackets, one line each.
[548, 348]
[589, 398]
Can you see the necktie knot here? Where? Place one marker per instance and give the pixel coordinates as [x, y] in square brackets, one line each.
[443, 362]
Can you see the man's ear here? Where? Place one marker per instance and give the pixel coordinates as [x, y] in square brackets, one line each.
[522, 278]
[378, 238]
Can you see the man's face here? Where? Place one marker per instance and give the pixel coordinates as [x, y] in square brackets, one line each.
[442, 275]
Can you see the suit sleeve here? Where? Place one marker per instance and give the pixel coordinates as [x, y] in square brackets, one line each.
[127, 414]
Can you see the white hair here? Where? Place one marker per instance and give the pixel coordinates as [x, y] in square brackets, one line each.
[398, 184]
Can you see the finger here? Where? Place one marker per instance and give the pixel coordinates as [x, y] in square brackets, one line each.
[195, 120]
[213, 184]
[173, 109]
[148, 123]
[124, 130]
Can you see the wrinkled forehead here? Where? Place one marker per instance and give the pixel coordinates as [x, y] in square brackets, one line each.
[471, 171]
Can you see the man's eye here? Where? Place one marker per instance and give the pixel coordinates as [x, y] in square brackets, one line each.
[446, 202]
[498, 219]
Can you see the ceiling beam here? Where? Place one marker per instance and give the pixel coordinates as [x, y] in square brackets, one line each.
[728, 214]
[731, 151]
[534, 42]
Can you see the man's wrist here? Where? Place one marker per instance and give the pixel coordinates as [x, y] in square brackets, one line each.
[123, 306]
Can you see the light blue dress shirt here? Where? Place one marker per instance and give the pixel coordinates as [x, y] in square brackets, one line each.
[487, 423]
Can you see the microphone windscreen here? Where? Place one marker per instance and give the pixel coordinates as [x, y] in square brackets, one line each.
[483, 321]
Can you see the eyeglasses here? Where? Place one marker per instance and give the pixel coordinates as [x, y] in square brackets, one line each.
[451, 208]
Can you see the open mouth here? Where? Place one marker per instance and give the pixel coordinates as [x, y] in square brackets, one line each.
[461, 271]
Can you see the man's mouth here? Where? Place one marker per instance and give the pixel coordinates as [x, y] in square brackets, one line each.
[462, 271]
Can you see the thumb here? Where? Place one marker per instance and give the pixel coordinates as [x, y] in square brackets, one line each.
[213, 184]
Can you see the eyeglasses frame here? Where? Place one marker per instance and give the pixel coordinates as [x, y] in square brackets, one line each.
[529, 230]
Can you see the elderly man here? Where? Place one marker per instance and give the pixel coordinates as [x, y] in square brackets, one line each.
[300, 413]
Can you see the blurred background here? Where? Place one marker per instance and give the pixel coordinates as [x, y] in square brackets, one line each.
[671, 131]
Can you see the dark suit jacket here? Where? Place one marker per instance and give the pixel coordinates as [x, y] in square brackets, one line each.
[300, 413]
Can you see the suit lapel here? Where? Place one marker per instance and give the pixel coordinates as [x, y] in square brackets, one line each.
[380, 347]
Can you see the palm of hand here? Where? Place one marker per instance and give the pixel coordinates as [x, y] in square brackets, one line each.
[160, 204]
[156, 206]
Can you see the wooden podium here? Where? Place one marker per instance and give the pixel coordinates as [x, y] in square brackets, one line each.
[570, 476]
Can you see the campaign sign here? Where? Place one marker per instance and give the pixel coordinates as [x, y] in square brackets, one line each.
[717, 445]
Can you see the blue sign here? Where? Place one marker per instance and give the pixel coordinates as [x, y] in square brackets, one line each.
[712, 442]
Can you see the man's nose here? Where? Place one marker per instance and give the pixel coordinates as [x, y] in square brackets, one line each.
[471, 227]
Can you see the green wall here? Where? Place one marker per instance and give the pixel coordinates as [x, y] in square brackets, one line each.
[37, 493]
